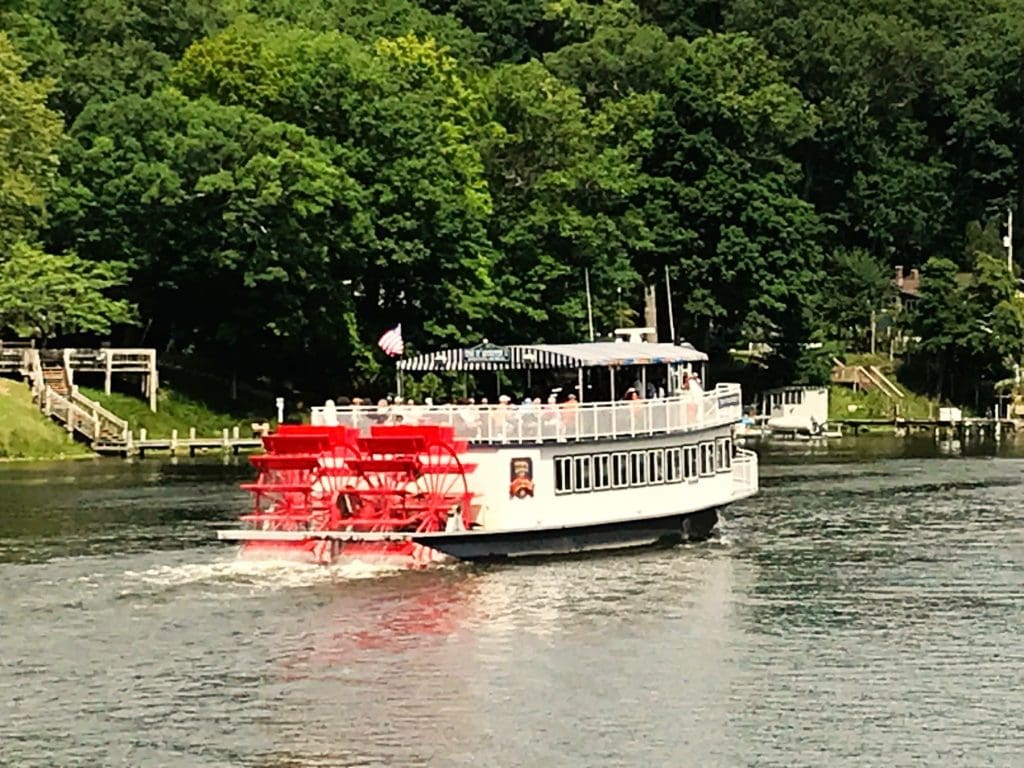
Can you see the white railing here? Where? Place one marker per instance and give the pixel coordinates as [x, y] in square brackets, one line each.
[72, 416]
[105, 359]
[744, 473]
[106, 420]
[537, 423]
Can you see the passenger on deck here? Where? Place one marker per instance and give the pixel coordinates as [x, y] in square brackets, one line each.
[330, 416]
[569, 410]
[500, 416]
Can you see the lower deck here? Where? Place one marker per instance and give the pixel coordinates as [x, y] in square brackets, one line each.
[571, 484]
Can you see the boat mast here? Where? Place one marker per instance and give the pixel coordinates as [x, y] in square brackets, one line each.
[671, 316]
[590, 308]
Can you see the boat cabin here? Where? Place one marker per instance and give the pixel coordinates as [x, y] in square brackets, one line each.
[794, 407]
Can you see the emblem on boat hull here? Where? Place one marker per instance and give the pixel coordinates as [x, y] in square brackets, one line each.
[521, 485]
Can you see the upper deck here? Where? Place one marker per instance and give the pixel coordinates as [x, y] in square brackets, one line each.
[504, 424]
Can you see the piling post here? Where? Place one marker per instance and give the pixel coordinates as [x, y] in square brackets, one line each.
[192, 441]
[225, 440]
[174, 442]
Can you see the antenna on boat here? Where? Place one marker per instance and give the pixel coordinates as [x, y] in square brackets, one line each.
[590, 309]
[671, 317]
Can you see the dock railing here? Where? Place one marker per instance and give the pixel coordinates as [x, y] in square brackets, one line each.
[561, 422]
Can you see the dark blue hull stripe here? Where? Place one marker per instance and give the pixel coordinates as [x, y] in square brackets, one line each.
[644, 532]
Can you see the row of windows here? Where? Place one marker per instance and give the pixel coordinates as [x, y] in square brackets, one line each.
[653, 466]
[788, 397]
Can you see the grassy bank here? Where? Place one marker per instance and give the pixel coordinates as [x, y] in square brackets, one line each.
[844, 403]
[174, 411]
[25, 433]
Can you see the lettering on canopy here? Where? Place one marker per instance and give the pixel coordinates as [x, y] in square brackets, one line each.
[487, 353]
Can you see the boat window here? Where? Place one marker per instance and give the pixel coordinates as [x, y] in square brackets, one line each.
[656, 466]
[707, 459]
[690, 462]
[581, 467]
[637, 468]
[723, 454]
[563, 474]
[602, 471]
[620, 470]
[673, 465]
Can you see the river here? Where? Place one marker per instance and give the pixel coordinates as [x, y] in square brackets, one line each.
[864, 610]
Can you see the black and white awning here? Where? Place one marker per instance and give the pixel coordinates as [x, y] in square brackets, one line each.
[602, 354]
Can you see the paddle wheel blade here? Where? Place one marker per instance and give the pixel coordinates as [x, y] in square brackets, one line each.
[378, 489]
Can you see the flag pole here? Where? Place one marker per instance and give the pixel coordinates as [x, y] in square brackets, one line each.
[671, 317]
[590, 309]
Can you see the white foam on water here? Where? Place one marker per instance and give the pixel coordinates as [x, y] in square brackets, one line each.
[261, 574]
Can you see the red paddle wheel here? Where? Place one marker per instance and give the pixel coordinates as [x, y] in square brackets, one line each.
[398, 480]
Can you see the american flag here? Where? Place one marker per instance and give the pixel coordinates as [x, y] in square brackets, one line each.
[391, 341]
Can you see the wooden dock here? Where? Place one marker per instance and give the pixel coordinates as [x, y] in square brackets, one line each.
[960, 429]
[229, 441]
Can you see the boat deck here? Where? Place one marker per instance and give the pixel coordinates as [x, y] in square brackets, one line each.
[504, 424]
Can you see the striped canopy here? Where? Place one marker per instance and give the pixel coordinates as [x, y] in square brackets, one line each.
[598, 354]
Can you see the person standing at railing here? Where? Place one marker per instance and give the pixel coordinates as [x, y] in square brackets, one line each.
[470, 417]
[330, 414]
[692, 395]
[570, 409]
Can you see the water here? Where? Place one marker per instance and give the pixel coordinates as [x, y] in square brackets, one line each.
[863, 610]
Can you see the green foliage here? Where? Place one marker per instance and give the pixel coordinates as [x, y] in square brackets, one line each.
[284, 180]
[42, 296]
[274, 225]
[561, 189]
[29, 133]
[858, 288]
[175, 410]
[971, 326]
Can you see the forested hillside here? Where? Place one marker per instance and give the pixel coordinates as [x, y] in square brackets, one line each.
[266, 187]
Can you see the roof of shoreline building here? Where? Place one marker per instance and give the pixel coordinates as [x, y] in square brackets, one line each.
[597, 354]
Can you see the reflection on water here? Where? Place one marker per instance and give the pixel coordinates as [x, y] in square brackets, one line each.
[862, 610]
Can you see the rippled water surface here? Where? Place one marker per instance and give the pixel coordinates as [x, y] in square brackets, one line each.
[862, 610]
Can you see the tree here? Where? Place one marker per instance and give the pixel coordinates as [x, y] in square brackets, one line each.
[42, 295]
[561, 185]
[244, 236]
[857, 288]
[941, 319]
[407, 122]
[877, 169]
[29, 133]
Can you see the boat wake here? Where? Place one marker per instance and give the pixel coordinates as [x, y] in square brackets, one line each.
[263, 574]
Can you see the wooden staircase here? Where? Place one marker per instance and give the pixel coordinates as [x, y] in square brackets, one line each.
[61, 401]
[56, 378]
[865, 377]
